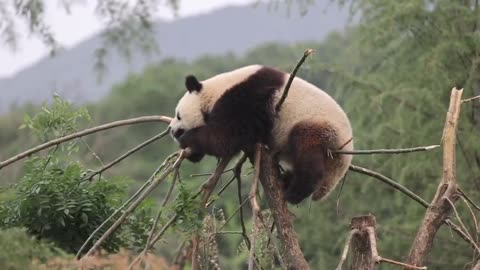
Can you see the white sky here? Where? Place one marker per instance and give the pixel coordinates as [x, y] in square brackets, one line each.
[81, 24]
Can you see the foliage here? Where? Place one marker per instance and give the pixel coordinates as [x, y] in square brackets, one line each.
[392, 74]
[19, 250]
[55, 201]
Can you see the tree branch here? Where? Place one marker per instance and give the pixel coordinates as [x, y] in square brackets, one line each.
[290, 79]
[439, 209]
[255, 205]
[386, 151]
[82, 133]
[127, 154]
[291, 251]
[470, 99]
[389, 182]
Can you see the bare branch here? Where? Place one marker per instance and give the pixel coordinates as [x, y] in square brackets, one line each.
[213, 180]
[439, 209]
[144, 119]
[469, 200]
[464, 228]
[128, 153]
[389, 182]
[290, 79]
[475, 222]
[137, 202]
[386, 151]
[470, 99]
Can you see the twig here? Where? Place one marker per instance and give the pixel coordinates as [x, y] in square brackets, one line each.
[470, 99]
[255, 205]
[475, 222]
[207, 174]
[464, 195]
[390, 182]
[163, 230]
[70, 137]
[464, 228]
[133, 197]
[345, 249]
[385, 151]
[128, 153]
[222, 189]
[137, 202]
[233, 214]
[88, 147]
[402, 264]
[237, 173]
[290, 79]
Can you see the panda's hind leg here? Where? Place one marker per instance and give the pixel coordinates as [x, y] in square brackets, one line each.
[308, 146]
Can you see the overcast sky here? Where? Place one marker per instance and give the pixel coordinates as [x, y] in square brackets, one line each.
[81, 24]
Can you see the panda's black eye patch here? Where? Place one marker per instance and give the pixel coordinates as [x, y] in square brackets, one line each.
[178, 116]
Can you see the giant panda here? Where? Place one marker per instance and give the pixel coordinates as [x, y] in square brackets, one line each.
[233, 111]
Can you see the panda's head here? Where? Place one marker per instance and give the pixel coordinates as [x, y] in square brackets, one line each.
[188, 113]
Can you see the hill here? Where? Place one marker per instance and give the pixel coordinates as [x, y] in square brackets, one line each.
[233, 29]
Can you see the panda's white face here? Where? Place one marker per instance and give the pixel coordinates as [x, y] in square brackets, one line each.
[188, 114]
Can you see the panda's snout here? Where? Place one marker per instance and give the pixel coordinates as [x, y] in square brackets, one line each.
[177, 133]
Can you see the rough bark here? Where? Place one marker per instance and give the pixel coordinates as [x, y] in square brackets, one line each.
[291, 251]
[447, 192]
[361, 252]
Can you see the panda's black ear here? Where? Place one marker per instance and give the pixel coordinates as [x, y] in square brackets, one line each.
[192, 84]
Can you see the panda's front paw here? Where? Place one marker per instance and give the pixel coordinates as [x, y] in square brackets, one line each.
[195, 156]
[286, 179]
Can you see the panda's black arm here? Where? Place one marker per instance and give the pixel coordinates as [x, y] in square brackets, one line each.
[211, 140]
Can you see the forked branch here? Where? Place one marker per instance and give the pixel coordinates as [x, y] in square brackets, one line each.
[447, 191]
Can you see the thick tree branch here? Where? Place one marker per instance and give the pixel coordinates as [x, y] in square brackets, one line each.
[291, 251]
[255, 205]
[440, 208]
[144, 119]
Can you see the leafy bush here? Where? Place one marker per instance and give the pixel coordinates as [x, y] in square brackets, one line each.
[55, 201]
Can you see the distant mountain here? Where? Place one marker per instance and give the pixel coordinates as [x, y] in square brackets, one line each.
[232, 29]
